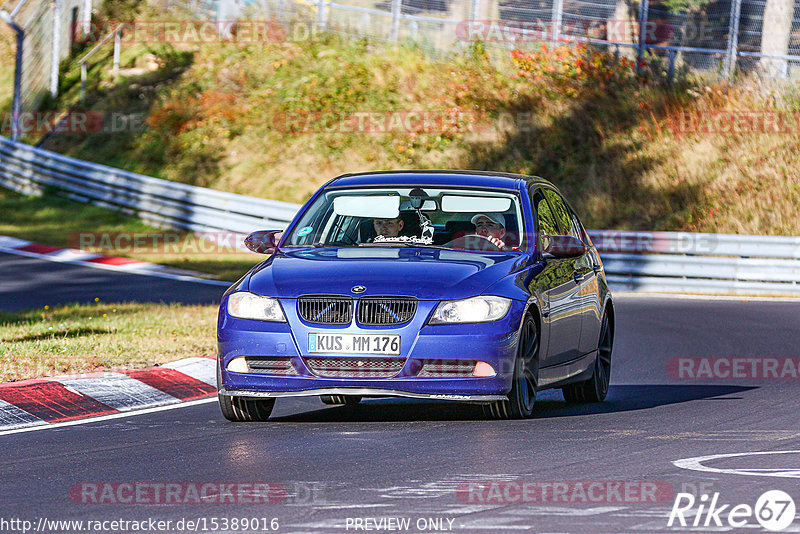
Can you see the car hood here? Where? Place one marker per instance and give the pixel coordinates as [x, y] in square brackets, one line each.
[425, 273]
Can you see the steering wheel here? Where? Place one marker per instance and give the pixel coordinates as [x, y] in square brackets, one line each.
[472, 242]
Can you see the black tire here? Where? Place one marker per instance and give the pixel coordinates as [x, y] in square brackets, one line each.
[596, 388]
[245, 409]
[522, 397]
[340, 399]
[242, 409]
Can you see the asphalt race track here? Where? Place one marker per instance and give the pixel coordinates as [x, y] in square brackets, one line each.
[32, 283]
[597, 468]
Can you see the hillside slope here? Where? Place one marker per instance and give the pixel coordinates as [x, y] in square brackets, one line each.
[279, 119]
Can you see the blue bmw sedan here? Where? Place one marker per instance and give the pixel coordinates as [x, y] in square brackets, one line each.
[461, 286]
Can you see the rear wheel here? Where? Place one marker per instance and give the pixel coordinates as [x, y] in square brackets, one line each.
[596, 388]
[242, 409]
[520, 401]
[340, 399]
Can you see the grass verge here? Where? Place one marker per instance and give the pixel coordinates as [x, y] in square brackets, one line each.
[86, 338]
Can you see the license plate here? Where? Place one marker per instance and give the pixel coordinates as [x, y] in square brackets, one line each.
[353, 343]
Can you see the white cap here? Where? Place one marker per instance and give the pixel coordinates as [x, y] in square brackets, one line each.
[496, 217]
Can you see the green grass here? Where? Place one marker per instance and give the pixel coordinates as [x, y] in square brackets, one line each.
[56, 221]
[87, 338]
[52, 220]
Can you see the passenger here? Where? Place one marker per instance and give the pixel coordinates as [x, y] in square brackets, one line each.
[388, 227]
[492, 226]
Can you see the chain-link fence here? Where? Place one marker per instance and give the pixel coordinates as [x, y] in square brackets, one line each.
[44, 31]
[718, 37]
[48, 28]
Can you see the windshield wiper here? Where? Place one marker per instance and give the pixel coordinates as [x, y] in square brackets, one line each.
[332, 245]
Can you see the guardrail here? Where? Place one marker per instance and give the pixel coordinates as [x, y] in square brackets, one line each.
[700, 263]
[31, 170]
[634, 261]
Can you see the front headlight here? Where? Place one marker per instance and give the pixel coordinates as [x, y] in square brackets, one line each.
[246, 305]
[472, 310]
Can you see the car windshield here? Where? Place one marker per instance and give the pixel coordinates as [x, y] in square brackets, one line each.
[461, 219]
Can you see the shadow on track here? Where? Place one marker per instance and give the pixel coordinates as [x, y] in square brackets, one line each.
[620, 399]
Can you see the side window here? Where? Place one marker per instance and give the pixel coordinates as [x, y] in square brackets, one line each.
[562, 214]
[547, 224]
[576, 223]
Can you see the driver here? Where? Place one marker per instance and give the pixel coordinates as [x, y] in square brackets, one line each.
[492, 226]
[388, 227]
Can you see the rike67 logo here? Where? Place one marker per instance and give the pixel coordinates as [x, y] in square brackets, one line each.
[774, 510]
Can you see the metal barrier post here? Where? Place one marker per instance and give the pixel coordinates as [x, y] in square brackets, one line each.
[282, 12]
[558, 15]
[87, 17]
[83, 81]
[16, 102]
[644, 10]
[56, 48]
[733, 39]
[473, 10]
[394, 35]
[117, 43]
[671, 70]
[322, 15]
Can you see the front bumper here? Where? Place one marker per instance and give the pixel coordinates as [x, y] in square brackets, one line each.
[362, 392]
[493, 343]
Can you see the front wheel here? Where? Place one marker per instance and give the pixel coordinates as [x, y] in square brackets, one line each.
[522, 397]
[596, 388]
[242, 409]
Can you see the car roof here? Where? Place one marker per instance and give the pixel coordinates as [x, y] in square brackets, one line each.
[499, 180]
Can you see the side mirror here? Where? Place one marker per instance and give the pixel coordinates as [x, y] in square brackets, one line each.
[562, 246]
[264, 241]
